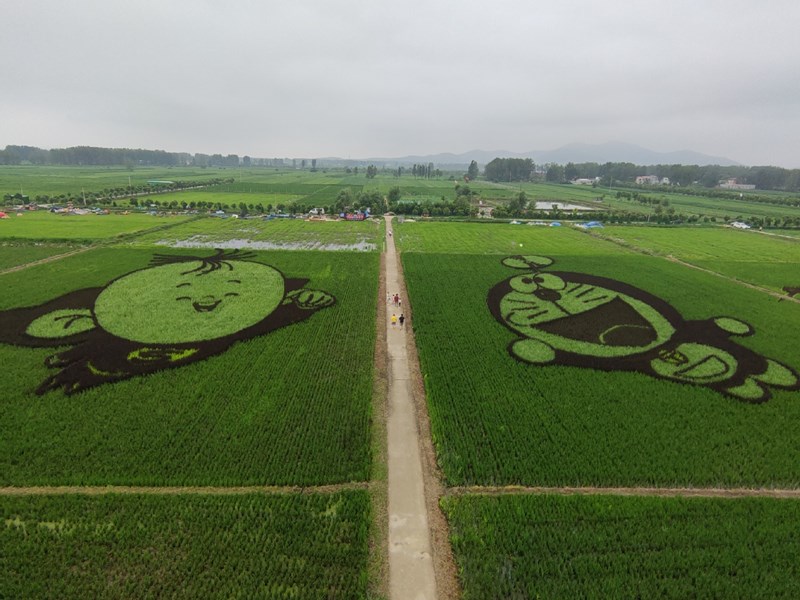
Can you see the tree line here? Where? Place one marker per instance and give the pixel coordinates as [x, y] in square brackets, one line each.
[616, 173]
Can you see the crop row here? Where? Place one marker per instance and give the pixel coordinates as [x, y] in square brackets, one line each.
[497, 238]
[498, 420]
[43, 225]
[291, 406]
[756, 258]
[12, 255]
[624, 547]
[248, 546]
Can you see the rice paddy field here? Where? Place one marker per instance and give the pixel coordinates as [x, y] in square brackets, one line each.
[241, 450]
[246, 447]
[506, 414]
[757, 258]
[14, 254]
[38, 226]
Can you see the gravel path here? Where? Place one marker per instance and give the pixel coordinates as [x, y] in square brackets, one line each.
[411, 572]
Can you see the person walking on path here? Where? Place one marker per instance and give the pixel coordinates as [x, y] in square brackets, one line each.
[402, 319]
[394, 319]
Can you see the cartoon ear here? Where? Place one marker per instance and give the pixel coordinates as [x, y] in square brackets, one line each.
[527, 261]
[62, 323]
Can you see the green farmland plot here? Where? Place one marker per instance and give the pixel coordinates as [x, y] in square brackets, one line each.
[493, 238]
[55, 180]
[499, 420]
[42, 225]
[753, 257]
[621, 547]
[13, 255]
[286, 400]
[288, 233]
[186, 546]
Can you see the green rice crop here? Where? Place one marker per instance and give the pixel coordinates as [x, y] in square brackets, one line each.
[289, 407]
[749, 256]
[496, 420]
[43, 225]
[624, 547]
[190, 546]
[493, 238]
[55, 180]
[13, 255]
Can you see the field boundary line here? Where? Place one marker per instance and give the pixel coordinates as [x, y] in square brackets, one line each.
[779, 295]
[683, 492]
[47, 259]
[120, 239]
[100, 490]
[670, 258]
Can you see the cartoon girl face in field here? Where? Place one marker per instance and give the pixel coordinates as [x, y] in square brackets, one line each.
[171, 304]
[178, 310]
[584, 320]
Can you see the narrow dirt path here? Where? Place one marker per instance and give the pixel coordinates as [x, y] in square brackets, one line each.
[686, 492]
[47, 259]
[99, 490]
[411, 567]
[779, 295]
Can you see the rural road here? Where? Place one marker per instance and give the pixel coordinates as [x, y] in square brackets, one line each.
[411, 572]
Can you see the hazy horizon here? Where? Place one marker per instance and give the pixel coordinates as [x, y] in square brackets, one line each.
[357, 79]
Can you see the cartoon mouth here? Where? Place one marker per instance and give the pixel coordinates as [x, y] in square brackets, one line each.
[205, 305]
[615, 323]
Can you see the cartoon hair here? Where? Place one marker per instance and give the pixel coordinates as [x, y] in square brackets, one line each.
[209, 264]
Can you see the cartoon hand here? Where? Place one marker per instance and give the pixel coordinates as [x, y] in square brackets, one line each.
[533, 351]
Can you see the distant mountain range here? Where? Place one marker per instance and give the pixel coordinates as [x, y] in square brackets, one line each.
[577, 153]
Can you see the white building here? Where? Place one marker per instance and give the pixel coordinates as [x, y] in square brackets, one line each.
[733, 184]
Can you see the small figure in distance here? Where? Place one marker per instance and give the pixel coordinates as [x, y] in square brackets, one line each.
[402, 319]
[394, 319]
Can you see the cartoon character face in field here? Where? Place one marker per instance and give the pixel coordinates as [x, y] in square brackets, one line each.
[178, 310]
[584, 320]
[169, 304]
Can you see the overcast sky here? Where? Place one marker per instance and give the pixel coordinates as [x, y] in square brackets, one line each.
[369, 78]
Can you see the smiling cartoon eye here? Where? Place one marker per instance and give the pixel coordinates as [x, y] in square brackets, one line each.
[231, 294]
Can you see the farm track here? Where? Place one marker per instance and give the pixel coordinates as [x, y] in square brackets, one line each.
[99, 490]
[98, 244]
[669, 257]
[46, 260]
[684, 492]
[418, 567]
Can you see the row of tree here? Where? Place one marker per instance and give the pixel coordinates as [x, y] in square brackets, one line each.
[107, 196]
[615, 173]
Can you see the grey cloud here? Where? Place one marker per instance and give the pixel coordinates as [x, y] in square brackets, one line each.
[365, 78]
